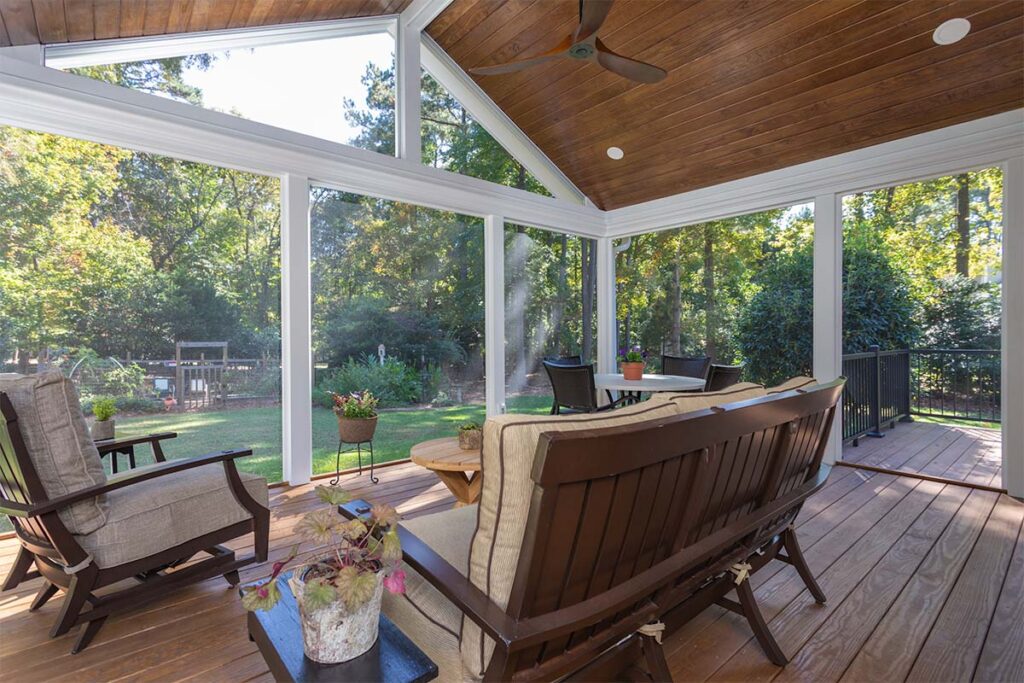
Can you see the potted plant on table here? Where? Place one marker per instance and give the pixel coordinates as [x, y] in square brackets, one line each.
[632, 363]
[471, 436]
[357, 416]
[339, 590]
[104, 409]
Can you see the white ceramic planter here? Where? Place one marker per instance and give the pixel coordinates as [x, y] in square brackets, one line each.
[331, 635]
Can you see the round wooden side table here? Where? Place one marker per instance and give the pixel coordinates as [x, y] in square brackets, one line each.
[458, 469]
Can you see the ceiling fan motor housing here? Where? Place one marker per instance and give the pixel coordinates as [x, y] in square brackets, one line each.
[581, 50]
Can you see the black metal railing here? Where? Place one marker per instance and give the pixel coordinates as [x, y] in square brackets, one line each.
[958, 383]
[885, 386]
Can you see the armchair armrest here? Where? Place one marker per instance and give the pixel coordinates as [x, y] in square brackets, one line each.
[473, 602]
[115, 446]
[136, 476]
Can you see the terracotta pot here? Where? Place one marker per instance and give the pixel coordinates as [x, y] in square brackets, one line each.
[332, 634]
[356, 429]
[471, 439]
[102, 429]
[633, 370]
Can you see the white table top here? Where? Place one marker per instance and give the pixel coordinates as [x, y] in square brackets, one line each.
[649, 383]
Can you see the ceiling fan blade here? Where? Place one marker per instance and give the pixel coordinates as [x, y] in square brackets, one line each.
[592, 15]
[558, 51]
[629, 68]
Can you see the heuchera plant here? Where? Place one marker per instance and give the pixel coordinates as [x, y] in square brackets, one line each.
[357, 550]
[358, 405]
[632, 355]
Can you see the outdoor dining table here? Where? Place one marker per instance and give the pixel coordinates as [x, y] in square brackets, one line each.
[649, 383]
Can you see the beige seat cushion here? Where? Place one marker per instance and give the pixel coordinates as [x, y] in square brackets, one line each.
[58, 443]
[799, 382]
[689, 402]
[510, 443]
[427, 617]
[160, 513]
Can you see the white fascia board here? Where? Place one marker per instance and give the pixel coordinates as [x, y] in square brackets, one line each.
[418, 15]
[40, 98]
[116, 50]
[975, 144]
[489, 115]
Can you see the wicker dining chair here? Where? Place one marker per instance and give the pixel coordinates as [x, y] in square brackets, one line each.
[697, 366]
[722, 376]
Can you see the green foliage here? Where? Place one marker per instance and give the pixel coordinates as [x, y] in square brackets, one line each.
[317, 593]
[394, 382]
[962, 314]
[774, 330]
[104, 408]
[470, 427]
[878, 307]
[355, 330]
[357, 406]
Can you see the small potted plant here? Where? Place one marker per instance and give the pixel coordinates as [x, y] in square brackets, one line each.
[104, 409]
[338, 591]
[357, 416]
[632, 363]
[471, 436]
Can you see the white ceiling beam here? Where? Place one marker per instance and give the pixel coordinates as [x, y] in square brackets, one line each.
[44, 99]
[965, 146]
[489, 115]
[116, 50]
[420, 13]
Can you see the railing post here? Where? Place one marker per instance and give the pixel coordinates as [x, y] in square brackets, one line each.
[905, 399]
[876, 397]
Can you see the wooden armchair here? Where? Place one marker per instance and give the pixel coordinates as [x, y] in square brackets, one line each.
[580, 557]
[83, 532]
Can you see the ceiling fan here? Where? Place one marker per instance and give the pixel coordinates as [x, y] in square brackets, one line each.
[583, 43]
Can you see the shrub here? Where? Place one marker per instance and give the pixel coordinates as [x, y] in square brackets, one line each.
[394, 382]
[104, 408]
[962, 314]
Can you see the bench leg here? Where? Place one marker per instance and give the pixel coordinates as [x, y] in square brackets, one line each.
[654, 658]
[78, 593]
[758, 625]
[795, 557]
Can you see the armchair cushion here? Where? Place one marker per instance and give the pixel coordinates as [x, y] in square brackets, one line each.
[58, 443]
[509, 447]
[427, 617]
[160, 513]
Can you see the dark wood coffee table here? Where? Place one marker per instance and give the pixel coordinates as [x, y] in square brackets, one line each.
[278, 634]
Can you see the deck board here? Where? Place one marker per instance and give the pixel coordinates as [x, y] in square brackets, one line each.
[922, 579]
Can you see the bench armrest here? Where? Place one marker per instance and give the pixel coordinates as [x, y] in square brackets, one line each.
[439, 573]
[135, 476]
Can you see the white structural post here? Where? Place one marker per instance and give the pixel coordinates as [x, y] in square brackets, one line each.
[407, 92]
[827, 357]
[494, 312]
[296, 347]
[605, 304]
[1012, 412]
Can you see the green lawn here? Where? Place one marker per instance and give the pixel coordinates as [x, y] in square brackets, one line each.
[260, 429]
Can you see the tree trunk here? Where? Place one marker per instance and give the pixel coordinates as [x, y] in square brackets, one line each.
[710, 314]
[586, 266]
[676, 305]
[963, 225]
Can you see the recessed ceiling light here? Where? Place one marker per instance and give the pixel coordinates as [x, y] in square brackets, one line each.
[615, 153]
[951, 31]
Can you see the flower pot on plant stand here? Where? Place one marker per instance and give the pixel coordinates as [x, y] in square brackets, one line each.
[357, 423]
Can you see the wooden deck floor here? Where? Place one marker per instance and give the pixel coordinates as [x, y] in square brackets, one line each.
[924, 583]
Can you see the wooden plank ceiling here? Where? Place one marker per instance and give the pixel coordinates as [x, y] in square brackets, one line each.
[753, 85]
[25, 22]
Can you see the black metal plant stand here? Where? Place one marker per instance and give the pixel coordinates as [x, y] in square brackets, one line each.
[358, 450]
